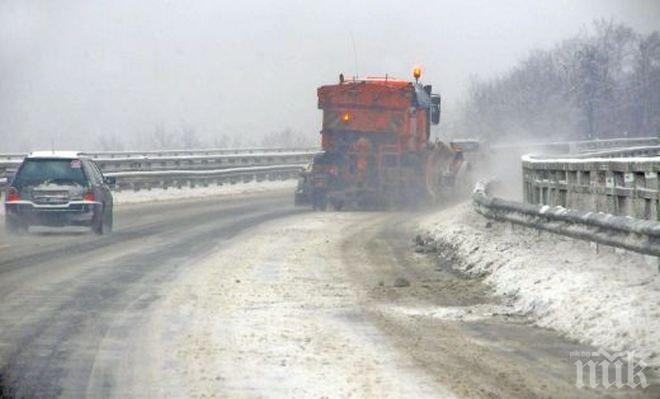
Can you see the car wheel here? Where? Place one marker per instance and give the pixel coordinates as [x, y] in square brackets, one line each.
[98, 223]
[109, 223]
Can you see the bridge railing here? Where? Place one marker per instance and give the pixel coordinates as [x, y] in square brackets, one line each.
[617, 186]
[195, 152]
[629, 152]
[167, 169]
[600, 145]
[187, 162]
[146, 180]
[201, 162]
[577, 147]
[172, 153]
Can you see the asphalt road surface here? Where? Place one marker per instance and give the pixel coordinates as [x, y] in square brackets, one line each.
[250, 297]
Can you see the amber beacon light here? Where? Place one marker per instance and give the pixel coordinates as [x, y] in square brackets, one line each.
[417, 72]
[346, 117]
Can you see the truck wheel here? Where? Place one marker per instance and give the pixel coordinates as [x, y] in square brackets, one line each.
[337, 205]
[323, 204]
[319, 201]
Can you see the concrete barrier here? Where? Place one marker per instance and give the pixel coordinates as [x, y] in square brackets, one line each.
[617, 186]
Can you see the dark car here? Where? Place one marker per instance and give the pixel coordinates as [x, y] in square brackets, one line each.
[59, 189]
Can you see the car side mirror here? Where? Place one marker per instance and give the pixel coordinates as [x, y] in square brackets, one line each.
[435, 109]
[110, 181]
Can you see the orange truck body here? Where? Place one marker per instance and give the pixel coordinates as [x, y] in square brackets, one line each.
[382, 107]
[375, 142]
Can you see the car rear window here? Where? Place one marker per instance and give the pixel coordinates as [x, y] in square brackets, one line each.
[45, 171]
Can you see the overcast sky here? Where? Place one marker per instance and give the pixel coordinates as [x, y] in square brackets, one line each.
[73, 70]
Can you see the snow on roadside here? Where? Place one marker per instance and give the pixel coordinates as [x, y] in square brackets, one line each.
[610, 299]
[159, 194]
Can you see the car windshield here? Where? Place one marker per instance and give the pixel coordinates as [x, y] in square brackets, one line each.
[45, 171]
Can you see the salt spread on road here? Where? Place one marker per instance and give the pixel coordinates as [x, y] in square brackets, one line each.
[284, 321]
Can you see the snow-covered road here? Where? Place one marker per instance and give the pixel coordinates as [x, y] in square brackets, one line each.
[246, 296]
[274, 314]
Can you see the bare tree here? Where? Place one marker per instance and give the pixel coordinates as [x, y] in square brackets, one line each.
[597, 85]
[109, 142]
[288, 138]
[221, 141]
[189, 138]
[161, 138]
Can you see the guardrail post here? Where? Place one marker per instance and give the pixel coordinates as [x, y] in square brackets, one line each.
[525, 183]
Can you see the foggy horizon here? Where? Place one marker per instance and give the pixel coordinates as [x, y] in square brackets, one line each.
[76, 71]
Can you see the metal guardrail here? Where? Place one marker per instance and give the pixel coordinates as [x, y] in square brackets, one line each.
[641, 236]
[630, 152]
[189, 162]
[596, 145]
[201, 162]
[577, 147]
[172, 153]
[172, 169]
[146, 180]
[619, 186]
[136, 181]
[195, 152]
[17, 156]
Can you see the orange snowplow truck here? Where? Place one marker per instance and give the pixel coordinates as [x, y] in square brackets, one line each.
[375, 146]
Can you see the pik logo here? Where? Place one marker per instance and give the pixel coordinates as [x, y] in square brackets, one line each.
[609, 370]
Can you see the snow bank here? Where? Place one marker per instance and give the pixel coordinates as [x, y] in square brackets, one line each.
[609, 298]
[159, 194]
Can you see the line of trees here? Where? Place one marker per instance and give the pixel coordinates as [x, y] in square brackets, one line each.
[187, 137]
[596, 85]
